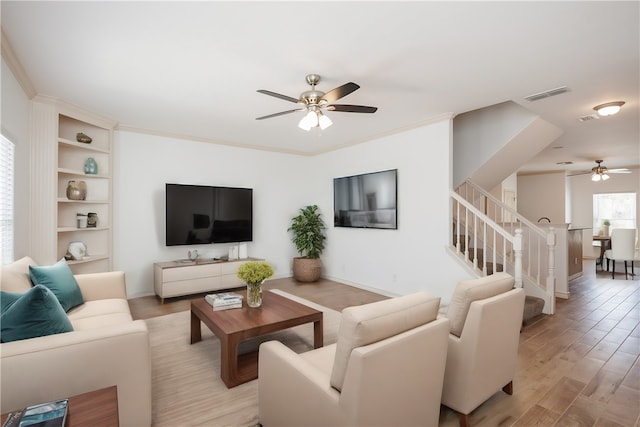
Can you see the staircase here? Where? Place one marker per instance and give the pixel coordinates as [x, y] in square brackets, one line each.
[489, 236]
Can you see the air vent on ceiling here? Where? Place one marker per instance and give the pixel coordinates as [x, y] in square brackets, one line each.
[589, 117]
[547, 93]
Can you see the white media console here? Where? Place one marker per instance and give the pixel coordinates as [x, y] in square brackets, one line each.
[177, 278]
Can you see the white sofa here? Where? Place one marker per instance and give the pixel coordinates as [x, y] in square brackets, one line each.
[106, 347]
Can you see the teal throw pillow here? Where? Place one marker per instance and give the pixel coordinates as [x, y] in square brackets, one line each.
[7, 299]
[36, 313]
[59, 279]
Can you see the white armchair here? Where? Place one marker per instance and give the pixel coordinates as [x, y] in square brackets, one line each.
[386, 369]
[486, 315]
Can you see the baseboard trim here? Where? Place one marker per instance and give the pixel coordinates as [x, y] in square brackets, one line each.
[361, 286]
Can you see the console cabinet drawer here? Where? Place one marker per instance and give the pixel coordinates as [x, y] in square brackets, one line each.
[191, 272]
[172, 279]
[193, 286]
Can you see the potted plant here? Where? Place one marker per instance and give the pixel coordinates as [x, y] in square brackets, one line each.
[605, 227]
[308, 236]
[254, 273]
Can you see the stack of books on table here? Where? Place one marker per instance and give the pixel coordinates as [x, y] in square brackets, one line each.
[50, 414]
[224, 301]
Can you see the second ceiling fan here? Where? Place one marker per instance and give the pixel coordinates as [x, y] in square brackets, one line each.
[601, 173]
[316, 102]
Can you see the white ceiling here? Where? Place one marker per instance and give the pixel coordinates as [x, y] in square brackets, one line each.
[192, 68]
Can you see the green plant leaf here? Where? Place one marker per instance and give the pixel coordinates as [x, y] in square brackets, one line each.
[308, 232]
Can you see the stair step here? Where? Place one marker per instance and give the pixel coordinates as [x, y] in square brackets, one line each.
[480, 255]
[499, 267]
[532, 308]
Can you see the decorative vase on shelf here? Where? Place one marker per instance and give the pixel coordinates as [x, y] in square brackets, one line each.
[85, 139]
[254, 294]
[90, 166]
[76, 190]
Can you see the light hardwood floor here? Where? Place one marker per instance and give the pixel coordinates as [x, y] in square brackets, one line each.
[579, 367]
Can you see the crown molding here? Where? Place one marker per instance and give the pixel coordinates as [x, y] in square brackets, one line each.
[402, 129]
[10, 57]
[161, 134]
[72, 110]
[431, 120]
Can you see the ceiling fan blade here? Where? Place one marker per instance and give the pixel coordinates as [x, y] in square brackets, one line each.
[339, 92]
[279, 114]
[622, 170]
[278, 95]
[579, 173]
[352, 108]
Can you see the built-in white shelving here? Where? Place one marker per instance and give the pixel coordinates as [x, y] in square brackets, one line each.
[71, 158]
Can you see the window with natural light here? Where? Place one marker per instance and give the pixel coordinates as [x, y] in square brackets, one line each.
[6, 200]
[618, 208]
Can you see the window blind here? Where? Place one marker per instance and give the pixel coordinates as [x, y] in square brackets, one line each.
[6, 199]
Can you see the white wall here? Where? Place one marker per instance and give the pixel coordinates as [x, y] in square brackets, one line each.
[542, 195]
[413, 257]
[582, 191]
[391, 261]
[489, 144]
[144, 163]
[14, 113]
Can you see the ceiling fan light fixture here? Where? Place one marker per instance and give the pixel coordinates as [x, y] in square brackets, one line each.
[305, 123]
[324, 121]
[605, 177]
[310, 120]
[595, 177]
[609, 108]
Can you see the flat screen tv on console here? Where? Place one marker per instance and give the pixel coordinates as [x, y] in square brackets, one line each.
[200, 214]
[366, 201]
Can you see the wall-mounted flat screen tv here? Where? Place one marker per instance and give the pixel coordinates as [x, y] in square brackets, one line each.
[366, 201]
[200, 214]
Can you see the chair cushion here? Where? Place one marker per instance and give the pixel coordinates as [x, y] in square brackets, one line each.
[369, 323]
[471, 290]
[59, 279]
[35, 313]
[15, 276]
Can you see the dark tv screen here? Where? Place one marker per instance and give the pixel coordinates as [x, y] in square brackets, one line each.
[366, 201]
[200, 214]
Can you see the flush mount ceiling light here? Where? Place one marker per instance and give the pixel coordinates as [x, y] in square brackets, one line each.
[609, 108]
[314, 103]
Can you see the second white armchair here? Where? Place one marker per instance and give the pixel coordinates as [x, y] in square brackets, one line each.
[486, 315]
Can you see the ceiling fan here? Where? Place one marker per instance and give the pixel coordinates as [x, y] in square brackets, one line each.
[316, 102]
[601, 173]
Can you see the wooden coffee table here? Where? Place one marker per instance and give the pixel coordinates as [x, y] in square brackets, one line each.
[236, 325]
